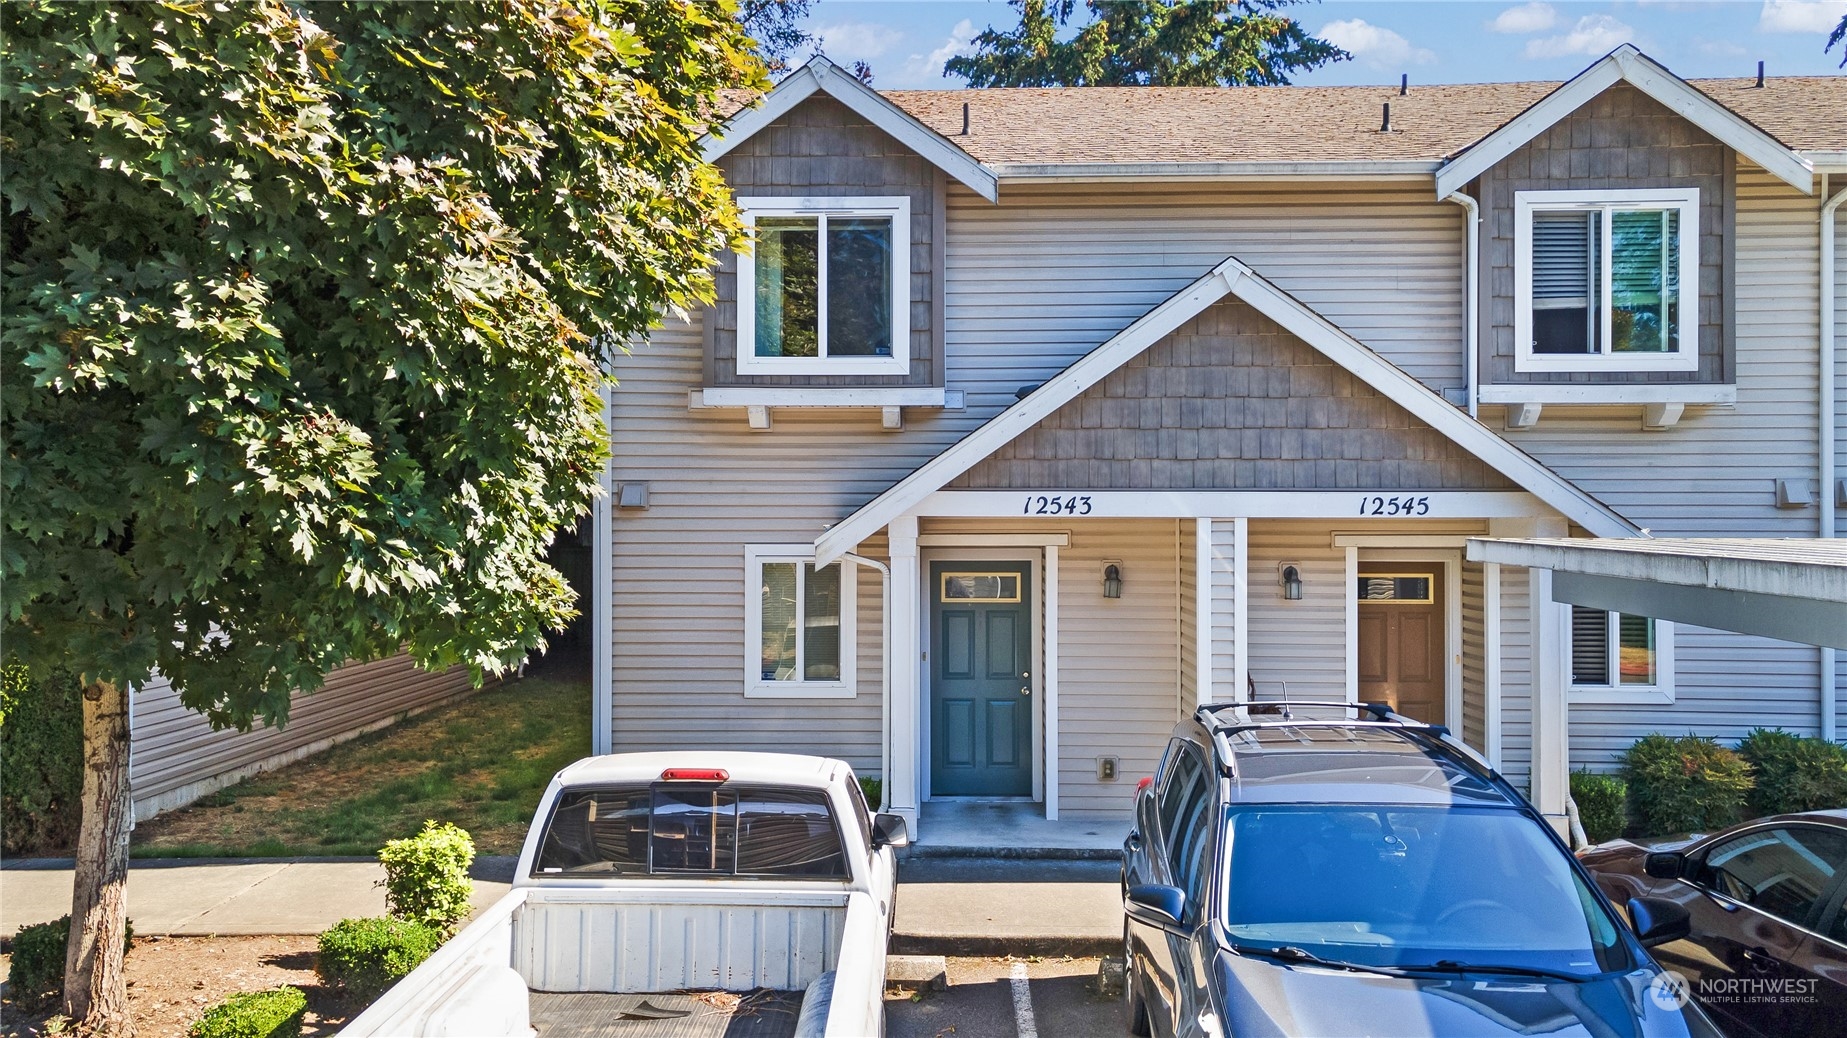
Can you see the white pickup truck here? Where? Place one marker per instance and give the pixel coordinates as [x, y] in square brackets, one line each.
[675, 894]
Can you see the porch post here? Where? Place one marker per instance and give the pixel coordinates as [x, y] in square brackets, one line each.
[1241, 610]
[1551, 775]
[1205, 620]
[1491, 662]
[903, 656]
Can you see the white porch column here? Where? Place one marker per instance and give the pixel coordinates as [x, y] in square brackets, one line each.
[1205, 616]
[903, 794]
[1551, 746]
[1491, 662]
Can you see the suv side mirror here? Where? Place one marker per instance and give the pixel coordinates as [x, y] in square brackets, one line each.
[1156, 905]
[889, 830]
[1656, 920]
[1665, 864]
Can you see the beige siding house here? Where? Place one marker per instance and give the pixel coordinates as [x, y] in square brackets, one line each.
[1036, 418]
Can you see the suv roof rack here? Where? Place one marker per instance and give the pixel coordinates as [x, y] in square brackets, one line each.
[1382, 715]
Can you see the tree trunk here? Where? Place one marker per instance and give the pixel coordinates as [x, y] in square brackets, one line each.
[95, 986]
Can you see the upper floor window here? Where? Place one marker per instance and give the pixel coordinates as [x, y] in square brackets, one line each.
[1606, 280]
[826, 290]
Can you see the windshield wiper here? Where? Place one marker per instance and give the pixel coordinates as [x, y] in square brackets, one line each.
[1291, 953]
[1456, 966]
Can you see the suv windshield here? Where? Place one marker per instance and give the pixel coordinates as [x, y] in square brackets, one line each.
[1412, 886]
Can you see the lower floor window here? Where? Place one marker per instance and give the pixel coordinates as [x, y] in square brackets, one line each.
[799, 625]
[1618, 651]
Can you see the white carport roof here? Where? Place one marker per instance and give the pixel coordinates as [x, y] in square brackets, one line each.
[1792, 589]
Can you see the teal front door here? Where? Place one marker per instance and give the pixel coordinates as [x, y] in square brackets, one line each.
[981, 703]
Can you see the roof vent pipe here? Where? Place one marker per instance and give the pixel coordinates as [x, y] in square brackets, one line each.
[965, 118]
[1404, 84]
[1760, 75]
[1385, 124]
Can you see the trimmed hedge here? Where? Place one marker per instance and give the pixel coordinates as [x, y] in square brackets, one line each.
[1603, 805]
[275, 1013]
[1686, 784]
[366, 956]
[36, 974]
[874, 790]
[1793, 772]
[426, 876]
[41, 761]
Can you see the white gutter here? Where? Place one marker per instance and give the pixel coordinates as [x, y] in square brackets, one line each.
[1829, 691]
[1471, 301]
[1053, 172]
[884, 675]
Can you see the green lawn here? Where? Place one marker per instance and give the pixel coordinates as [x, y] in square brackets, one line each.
[481, 763]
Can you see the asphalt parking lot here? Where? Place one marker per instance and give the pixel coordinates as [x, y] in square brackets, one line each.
[1009, 998]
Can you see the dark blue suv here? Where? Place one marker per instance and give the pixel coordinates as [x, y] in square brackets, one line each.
[1333, 869]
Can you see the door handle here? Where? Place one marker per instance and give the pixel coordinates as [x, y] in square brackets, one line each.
[1759, 959]
[1026, 690]
[1135, 840]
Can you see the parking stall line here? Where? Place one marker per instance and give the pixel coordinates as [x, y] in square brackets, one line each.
[1023, 1003]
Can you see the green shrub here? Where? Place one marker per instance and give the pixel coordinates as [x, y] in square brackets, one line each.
[36, 975]
[366, 956]
[1686, 784]
[41, 761]
[1603, 805]
[874, 789]
[275, 1013]
[1794, 772]
[426, 876]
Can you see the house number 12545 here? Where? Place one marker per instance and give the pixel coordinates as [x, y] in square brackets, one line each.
[1056, 504]
[1394, 506]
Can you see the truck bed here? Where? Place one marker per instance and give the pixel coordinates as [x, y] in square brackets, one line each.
[591, 1014]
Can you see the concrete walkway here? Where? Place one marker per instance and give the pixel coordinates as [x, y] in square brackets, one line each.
[187, 897]
[946, 906]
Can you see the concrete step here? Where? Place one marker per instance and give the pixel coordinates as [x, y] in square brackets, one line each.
[1007, 906]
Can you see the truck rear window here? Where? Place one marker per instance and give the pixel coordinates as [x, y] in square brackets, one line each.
[679, 828]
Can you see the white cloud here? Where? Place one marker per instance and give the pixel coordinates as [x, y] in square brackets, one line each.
[1594, 35]
[927, 69]
[1801, 15]
[1534, 17]
[851, 41]
[1373, 46]
[1722, 49]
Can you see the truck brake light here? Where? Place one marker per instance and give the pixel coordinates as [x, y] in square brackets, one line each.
[695, 775]
[1143, 783]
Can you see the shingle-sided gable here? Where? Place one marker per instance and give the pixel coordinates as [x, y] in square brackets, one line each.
[1232, 401]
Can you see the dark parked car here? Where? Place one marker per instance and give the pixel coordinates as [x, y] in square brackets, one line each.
[1329, 869]
[1767, 951]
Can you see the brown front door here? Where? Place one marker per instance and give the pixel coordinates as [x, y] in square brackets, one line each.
[1401, 638]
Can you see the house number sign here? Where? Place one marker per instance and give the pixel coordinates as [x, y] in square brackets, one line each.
[1056, 504]
[1375, 505]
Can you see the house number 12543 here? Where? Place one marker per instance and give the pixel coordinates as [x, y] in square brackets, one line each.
[1394, 506]
[1056, 504]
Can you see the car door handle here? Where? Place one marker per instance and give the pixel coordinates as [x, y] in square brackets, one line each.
[1760, 959]
[1135, 840]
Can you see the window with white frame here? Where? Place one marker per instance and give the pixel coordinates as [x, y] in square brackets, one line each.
[798, 624]
[826, 287]
[1606, 280]
[1620, 657]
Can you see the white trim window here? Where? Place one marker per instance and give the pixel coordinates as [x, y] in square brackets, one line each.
[1620, 658]
[826, 289]
[1606, 280]
[799, 624]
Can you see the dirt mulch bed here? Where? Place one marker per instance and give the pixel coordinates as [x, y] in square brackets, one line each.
[171, 981]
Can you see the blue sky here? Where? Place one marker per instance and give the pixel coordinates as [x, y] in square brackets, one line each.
[1464, 41]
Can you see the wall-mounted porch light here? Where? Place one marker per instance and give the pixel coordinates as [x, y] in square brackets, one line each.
[1112, 580]
[1292, 583]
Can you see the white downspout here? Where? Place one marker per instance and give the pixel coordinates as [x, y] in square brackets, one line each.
[1827, 490]
[602, 584]
[1471, 299]
[884, 674]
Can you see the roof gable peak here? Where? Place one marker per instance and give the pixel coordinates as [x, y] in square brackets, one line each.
[820, 75]
[1626, 64]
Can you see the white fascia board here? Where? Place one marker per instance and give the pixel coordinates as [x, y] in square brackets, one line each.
[1074, 172]
[1626, 63]
[1826, 161]
[936, 473]
[820, 74]
[1424, 403]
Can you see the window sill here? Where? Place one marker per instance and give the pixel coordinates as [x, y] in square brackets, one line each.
[1653, 695]
[758, 400]
[801, 690]
[1662, 403]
